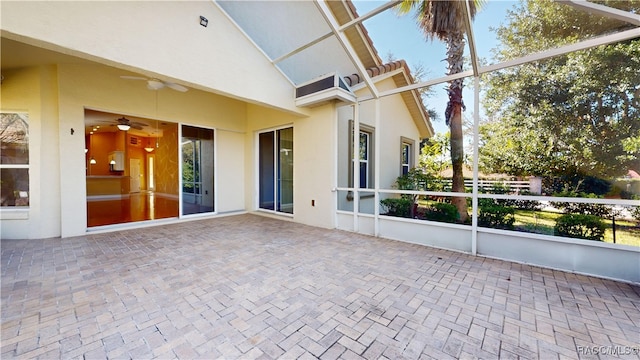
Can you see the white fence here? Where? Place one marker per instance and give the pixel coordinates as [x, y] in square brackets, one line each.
[513, 186]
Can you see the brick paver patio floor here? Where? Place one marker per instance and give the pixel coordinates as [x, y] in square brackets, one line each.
[252, 287]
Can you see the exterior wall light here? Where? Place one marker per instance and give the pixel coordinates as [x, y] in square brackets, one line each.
[203, 21]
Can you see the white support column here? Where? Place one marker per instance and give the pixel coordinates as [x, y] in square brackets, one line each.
[336, 161]
[356, 165]
[376, 169]
[476, 139]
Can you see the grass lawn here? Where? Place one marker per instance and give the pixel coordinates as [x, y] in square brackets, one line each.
[542, 222]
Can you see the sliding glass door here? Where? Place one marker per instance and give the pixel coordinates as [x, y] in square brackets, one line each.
[275, 168]
[197, 170]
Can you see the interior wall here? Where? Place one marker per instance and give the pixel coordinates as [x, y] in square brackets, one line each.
[100, 144]
[138, 153]
[167, 171]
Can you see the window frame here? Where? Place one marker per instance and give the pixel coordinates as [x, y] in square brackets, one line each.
[370, 161]
[20, 166]
[411, 161]
[277, 194]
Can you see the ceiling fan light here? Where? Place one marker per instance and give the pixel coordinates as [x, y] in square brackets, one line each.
[153, 84]
[124, 127]
[148, 149]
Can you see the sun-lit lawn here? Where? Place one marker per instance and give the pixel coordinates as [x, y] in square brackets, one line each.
[542, 222]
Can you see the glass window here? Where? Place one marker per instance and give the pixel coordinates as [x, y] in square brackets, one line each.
[14, 159]
[406, 155]
[275, 162]
[365, 156]
[197, 170]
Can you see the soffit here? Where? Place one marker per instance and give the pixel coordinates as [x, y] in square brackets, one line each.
[18, 55]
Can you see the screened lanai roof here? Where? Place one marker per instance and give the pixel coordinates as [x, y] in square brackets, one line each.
[302, 38]
[307, 39]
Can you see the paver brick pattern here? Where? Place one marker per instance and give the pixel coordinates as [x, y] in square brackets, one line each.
[248, 286]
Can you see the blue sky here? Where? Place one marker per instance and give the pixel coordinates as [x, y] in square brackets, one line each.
[401, 37]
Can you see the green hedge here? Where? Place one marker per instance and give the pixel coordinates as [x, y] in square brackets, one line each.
[442, 212]
[400, 207]
[582, 226]
[496, 216]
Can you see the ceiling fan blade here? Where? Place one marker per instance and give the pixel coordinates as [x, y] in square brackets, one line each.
[134, 126]
[132, 77]
[139, 124]
[176, 87]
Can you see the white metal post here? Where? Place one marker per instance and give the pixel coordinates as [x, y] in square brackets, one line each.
[376, 169]
[476, 138]
[356, 165]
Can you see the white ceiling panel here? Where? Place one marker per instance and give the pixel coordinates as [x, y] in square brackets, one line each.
[325, 57]
[277, 27]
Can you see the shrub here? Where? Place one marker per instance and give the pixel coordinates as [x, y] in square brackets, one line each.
[580, 208]
[442, 212]
[496, 216]
[576, 182]
[400, 207]
[526, 204]
[635, 212]
[415, 179]
[582, 226]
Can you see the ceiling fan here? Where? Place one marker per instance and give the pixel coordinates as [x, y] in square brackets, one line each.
[156, 84]
[125, 124]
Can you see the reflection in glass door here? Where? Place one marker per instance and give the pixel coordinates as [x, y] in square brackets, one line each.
[275, 165]
[197, 170]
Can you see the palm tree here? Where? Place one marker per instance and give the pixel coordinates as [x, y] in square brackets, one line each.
[445, 20]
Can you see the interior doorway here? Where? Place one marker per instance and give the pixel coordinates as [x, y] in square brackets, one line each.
[134, 175]
[131, 172]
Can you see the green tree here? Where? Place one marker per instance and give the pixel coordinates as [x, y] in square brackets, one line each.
[433, 154]
[445, 20]
[569, 116]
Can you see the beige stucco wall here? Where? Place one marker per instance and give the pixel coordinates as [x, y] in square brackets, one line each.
[55, 98]
[126, 34]
[34, 90]
[314, 165]
[395, 122]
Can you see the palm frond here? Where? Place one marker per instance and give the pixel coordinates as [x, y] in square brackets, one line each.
[437, 18]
